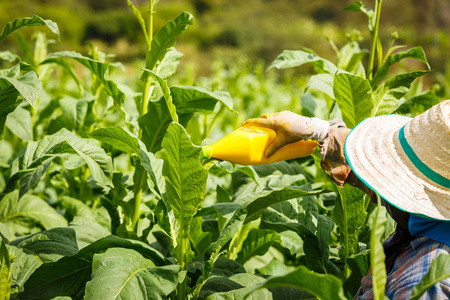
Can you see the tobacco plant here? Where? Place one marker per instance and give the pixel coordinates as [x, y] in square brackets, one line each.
[104, 194]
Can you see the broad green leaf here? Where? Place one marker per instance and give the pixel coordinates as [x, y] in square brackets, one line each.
[49, 245]
[291, 59]
[275, 176]
[248, 281]
[31, 213]
[5, 233]
[387, 95]
[28, 22]
[275, 267]
[200, 240]
[255, 204]
[323, 286]
[75, 111]
[323, 83]
[417, 104]
[415, 53]
[164, 40]
[359, 266]
[187, 100]
[218, 284]
[28, 177]
[169, 64]
[185, 184]
[190, 99]
[354, 97]
[125, 274]
[19, 122]
[225, 210]
[35, 160]
[5, 272]
[28, 86]
[166, 93]
[117, 137]
[439, 270]
[154, 124]
[87, 230]
[154, 167]
[65, 277]
[257, 242]
[99, 69]
[23, 265]
[68, 275]
[377, 255]
[349, 214]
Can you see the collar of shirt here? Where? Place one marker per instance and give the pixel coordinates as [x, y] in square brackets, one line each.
[433, 229]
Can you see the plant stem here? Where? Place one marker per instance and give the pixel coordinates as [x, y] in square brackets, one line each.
[140, 175]
[148, 80]
[374, 38]
[182, 286]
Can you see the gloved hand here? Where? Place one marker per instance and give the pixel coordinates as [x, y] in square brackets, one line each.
[290, 128]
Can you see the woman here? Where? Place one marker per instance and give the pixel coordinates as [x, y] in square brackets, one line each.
[407, 163]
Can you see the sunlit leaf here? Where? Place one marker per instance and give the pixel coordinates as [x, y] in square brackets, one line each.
[415, 53]
[28, 22]
[117, 137]
[164, 40]
[20, 123]
[323, 286]
[30, 213]
[185, 183]
[377, 255]
[23, 265]
[5, 272]
[439, 270]
[291, 59]
[257, 243]
[124, 273]
[354, 96]
[166, 93]
[68, 276]
[387, 95]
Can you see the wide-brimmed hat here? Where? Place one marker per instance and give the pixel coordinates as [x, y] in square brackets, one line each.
[406, 160]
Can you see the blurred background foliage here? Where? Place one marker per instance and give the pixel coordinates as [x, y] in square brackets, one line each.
[246, 34]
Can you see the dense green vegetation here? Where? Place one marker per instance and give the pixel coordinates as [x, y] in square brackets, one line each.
[104, 193]
[259, 29]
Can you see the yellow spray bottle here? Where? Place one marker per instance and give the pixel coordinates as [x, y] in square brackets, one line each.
[247, 146]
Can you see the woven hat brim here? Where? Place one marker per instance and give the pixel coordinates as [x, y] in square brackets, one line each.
[375, 155]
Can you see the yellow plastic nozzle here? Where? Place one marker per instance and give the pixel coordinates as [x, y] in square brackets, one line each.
[206, 152]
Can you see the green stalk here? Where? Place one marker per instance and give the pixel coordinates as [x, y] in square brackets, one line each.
[374, 38]
[182, 286]
[344, 209]
[148, 80]
[140, 174]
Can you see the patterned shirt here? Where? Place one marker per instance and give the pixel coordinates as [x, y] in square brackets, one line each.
[409, 268]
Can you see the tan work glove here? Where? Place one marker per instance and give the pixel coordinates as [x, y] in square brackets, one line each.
[333, 157]
[290, 128]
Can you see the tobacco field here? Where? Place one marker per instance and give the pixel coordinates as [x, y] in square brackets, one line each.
[104, 194]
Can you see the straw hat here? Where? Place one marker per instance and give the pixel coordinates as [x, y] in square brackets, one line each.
[406, 161]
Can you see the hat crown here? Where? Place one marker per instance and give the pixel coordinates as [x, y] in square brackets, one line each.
[428, 135]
